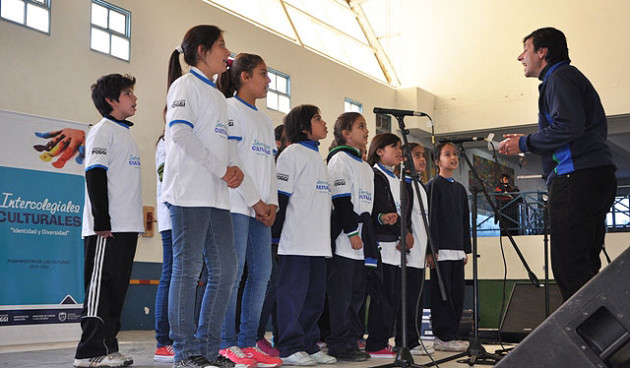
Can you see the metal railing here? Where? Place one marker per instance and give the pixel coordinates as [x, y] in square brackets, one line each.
[523, 214]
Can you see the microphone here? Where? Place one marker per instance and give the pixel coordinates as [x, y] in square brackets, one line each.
[396, 112]
[461, 140]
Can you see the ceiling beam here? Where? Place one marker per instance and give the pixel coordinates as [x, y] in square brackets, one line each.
[381, 55]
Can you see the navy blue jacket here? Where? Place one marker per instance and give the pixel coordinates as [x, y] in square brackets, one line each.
[572, 126]
[449, 215]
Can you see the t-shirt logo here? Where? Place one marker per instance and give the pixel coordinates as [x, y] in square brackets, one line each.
[134, 160]
[283, 177]
[260, 147]
[365, 196]
[221, 129]
[179, 103]
[339, 182]
[99, 151]
[322, 186]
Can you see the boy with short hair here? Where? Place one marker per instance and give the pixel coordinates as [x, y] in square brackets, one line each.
[112, 221]
[302, 230]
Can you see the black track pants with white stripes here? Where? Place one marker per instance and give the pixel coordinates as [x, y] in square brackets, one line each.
[107, 270]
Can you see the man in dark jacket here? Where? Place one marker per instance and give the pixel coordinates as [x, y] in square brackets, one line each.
[577, 163]
[507, 199]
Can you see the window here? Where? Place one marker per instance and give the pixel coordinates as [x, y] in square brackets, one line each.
[279, 94]
[352, 106]
[110, 33]
[383, 123]
[348, 32]
[30, 13]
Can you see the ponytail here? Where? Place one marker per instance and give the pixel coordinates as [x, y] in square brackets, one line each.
[225, 84]
[174, 69]
[229, 82]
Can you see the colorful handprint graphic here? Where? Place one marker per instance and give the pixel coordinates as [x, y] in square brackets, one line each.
[65, 143]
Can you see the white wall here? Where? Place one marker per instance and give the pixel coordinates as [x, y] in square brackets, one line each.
[532, 247]
[50, 75]
[465, 53]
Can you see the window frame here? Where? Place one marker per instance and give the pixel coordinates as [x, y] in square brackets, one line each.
[46, 6]
[286, 94]
[109, 31]
[383, 124]
[350, 101]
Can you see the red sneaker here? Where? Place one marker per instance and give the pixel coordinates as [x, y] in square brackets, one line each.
[387, 352]
[164, 354]
[263, 359]
[266, 346]
[237, 357]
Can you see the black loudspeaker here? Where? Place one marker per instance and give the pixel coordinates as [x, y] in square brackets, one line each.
[526, 310]
[591, 329]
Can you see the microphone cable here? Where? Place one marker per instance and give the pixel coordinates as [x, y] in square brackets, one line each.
[503, 292]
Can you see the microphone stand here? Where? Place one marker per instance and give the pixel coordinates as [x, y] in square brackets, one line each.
[403, 355]
[532, 277]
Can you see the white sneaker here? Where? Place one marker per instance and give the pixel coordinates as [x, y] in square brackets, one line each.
[419, 350]
[300, 358]
[452, 345]
[323, 358]
[126, 358]
[111, 360]
[196, 361]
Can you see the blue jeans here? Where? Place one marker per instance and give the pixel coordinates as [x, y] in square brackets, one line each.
[252, 241]
[200, 233]
[161, 297]
[269, 306]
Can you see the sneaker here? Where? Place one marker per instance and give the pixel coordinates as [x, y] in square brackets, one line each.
[323, 358]
[222, 362]
[352, 355]
[361, 344]
[300, 358]
[240, 360]
[196, 361]
[387, 352]
[164, 354]
[452, 345]
[419, 350]
[266, 346]
[126, 358]
[263, 359]
[111, 360]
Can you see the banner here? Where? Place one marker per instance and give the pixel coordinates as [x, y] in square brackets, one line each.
[41, 207]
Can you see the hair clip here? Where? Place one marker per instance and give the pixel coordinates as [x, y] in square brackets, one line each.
[179, 49]
[230, 61]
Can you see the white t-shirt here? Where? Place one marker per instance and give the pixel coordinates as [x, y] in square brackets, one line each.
[302, 175]
[110, 145]
[389, 254]
[417, 253]
[351, 177]
[194, 167]
[252, 132]
[163, 215]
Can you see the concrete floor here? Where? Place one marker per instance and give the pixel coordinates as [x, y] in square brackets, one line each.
[141, 345]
